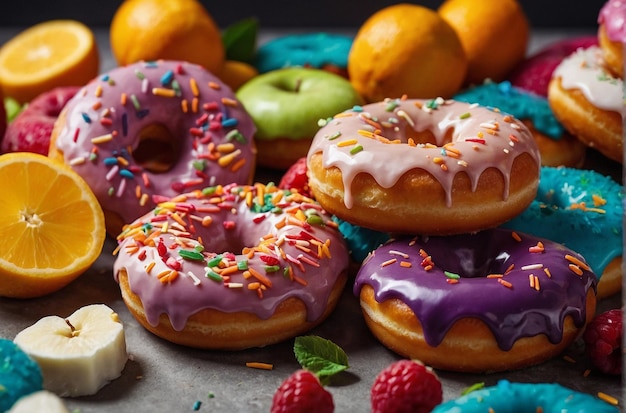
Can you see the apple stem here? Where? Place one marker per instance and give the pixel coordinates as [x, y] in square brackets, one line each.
[73, 329]
[298, 83]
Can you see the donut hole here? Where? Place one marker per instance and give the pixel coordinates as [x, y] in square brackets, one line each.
[426, 136]
[157, 150]
[554, 200]
[237, 237]
[484, 256]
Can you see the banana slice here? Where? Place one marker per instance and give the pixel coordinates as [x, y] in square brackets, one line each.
[79, 354]
[41, 401]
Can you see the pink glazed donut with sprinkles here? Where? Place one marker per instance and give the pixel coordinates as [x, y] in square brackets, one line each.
[436, 167]
[153, 128]
[232, 267]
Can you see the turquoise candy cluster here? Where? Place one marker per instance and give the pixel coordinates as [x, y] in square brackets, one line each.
[19, 374]
[581, 209]
[306, 49]
[517, 103]
[507, 397]
[361, 241]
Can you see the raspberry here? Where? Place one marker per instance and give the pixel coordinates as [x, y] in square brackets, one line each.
[296, 178]
[406, 386]
[302, 393]
[31, 129]
[603, 340]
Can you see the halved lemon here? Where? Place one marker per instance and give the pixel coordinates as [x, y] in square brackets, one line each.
[46, 55]
[51, 226]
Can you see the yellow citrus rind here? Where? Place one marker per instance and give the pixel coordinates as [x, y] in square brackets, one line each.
[51, 229]
[47, 55]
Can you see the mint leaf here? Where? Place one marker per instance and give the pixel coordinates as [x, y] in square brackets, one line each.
[320, 356]
[473, 387]
[239, 40]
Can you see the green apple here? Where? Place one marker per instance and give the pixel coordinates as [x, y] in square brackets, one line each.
[286, 106]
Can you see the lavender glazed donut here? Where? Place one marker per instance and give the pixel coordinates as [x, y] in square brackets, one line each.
[153, 128]
[232, 267]
[495, 300]
[433, 167]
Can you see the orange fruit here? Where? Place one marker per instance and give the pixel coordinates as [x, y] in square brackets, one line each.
[235, 73]
[169, 30]
[47, 55]
[494, 35]
[406, 49]
[51, 227]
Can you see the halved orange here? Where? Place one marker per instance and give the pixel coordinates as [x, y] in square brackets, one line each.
[47, 55]
[51, 226]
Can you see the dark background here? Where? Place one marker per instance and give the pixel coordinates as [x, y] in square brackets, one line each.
[288, 14]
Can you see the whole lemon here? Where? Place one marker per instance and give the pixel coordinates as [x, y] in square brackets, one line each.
[173, 30]
[406, 49]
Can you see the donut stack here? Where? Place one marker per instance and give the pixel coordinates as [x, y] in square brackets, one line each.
[449, 288]
[586, 90]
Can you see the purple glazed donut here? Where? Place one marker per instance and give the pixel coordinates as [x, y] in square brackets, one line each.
[495, 300]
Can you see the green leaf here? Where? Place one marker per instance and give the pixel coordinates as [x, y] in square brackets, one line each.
[473, 387]
[12, 108]
[240, 40]
[320, 356]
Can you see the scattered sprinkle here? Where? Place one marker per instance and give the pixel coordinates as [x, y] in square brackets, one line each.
[259, 365]
[608, 398]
